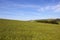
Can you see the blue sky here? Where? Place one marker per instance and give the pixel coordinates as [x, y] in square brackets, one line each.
[29, 9]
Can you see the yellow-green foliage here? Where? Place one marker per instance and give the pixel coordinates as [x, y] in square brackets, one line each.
[21, 30]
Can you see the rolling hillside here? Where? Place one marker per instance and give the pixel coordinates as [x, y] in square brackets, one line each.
[24, 30]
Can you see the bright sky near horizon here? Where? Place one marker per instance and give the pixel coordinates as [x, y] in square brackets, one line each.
[29, 9]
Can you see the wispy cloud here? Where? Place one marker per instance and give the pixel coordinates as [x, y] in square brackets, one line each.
[39, 8]
[31, 9]
[53, 8]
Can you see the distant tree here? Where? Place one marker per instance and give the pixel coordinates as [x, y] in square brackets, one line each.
[53, 22]
[48, 21]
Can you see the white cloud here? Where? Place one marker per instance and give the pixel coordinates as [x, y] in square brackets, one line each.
[57, 8]
[53, 8]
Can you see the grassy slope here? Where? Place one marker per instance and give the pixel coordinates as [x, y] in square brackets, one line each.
[20, 30]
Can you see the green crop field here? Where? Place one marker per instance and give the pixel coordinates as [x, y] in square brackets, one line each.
[25, 30]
